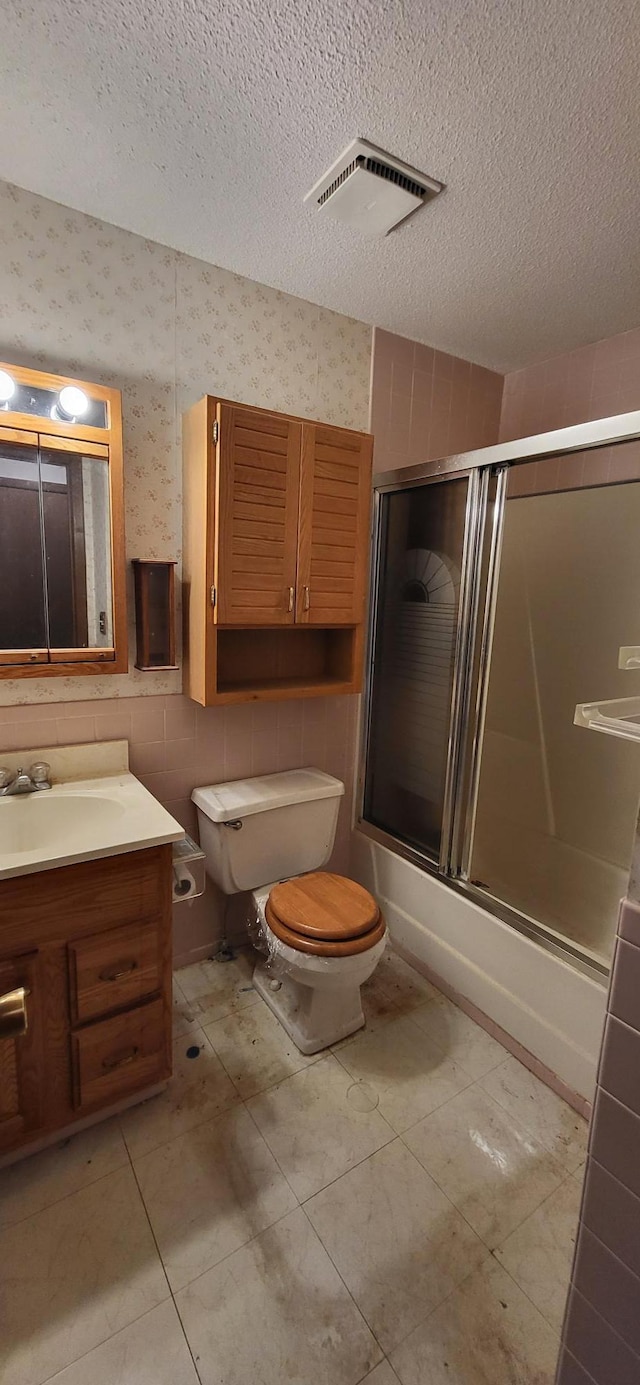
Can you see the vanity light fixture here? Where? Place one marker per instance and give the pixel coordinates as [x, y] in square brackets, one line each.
[7, 388]
[71, 404]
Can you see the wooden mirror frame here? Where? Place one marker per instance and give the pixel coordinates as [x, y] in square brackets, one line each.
[105, 442]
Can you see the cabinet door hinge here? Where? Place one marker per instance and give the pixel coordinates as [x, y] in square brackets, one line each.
[215, 431]
[214, 596]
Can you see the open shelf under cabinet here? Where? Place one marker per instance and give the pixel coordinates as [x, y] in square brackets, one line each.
[268, 664]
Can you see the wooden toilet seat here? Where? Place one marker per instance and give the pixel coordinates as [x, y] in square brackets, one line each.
[325, 914]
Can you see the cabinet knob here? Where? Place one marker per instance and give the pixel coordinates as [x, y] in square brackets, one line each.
[290, 603]
[306, 598]
[13, 1013]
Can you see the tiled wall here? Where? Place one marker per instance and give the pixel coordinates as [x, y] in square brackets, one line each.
[425, 403]
[593, 382]
[175, 745]
[601, 1344]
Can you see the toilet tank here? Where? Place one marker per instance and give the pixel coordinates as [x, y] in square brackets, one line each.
[255, 831]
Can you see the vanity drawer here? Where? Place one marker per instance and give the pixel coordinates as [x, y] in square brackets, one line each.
[111, 970]
[119, 1055]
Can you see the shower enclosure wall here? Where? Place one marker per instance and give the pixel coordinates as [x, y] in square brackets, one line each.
[505, 583]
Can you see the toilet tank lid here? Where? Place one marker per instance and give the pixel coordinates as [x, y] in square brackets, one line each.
[241, 797]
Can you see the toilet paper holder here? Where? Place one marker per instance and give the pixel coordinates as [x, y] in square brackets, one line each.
[188, 876]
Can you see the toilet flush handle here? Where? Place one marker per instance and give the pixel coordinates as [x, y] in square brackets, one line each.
[234, 823]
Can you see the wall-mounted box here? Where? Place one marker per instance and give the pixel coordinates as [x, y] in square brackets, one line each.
[155, 593]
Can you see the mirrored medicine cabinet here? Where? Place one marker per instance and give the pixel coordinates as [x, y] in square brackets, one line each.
[62, 564]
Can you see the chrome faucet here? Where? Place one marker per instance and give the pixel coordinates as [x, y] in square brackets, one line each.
[24, 781]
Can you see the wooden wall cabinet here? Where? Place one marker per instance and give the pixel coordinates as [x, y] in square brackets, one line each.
[91, 945]
[276, 554]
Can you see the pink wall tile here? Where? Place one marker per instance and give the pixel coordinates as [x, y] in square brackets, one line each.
[179, 719]
[620, 1062]
[571, 1372]
[23, 735]
[625, 987]
[427, 404]
[612, 1213]
[595, 381]
[147, 723]
[115, 726]
[610, 1286]
[590, 1340]
[182, 754]
[146, 757]
[186, 813]
[75, 730]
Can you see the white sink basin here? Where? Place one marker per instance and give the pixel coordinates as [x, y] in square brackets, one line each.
[80, 820]
[40, 821]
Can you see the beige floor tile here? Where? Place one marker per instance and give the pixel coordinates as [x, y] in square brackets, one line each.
[408, 1072]
[255, 1050]
[460, 1037]
[315, 1127]
[486, 1333]
[73, 1275]
[210, 1191]
[402, 983]
[538, 1254]
[152, 1351]
[183, 1018]
[541, 1111]
[383, 1374]
[277, 1310]
[215, 989]
[396, 1240]
[491, 1168]
[378, 1007]
[37, 1182]
[198, 1090]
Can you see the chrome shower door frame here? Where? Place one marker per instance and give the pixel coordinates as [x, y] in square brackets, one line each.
[472, 657]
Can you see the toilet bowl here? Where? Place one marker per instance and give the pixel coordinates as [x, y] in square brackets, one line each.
[310, 980]
[322, 935]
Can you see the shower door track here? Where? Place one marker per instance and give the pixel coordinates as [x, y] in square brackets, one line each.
[473, 641]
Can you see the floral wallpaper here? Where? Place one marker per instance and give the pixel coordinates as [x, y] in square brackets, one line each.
[85, 298]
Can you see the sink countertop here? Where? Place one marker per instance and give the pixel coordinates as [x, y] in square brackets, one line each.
[80, 819]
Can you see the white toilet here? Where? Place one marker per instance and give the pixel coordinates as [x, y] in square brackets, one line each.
[323, 934]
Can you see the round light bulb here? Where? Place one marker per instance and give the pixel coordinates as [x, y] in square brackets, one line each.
[72, 401]
[7, 387]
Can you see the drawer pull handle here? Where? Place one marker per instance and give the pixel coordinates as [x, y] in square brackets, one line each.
[13, 1013]
[125, 970]
[110, 1063]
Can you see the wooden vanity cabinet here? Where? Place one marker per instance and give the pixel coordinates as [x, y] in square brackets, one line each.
[91, 945]
[276, 554]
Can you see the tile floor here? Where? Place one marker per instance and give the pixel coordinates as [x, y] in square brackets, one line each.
[401, 1209]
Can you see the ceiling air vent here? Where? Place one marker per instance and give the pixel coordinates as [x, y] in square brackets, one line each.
[371, 190]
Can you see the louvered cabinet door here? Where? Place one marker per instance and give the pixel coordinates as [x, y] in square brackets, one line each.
[335, 503]
[258, 461]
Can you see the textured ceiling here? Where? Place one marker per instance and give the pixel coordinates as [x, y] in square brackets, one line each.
[202, 125]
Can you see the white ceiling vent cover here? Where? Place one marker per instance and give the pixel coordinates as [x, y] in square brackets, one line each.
[371, 190]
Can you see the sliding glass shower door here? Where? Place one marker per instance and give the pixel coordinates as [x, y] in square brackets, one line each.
[421, 555]
[556, 805]
[503, 595]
